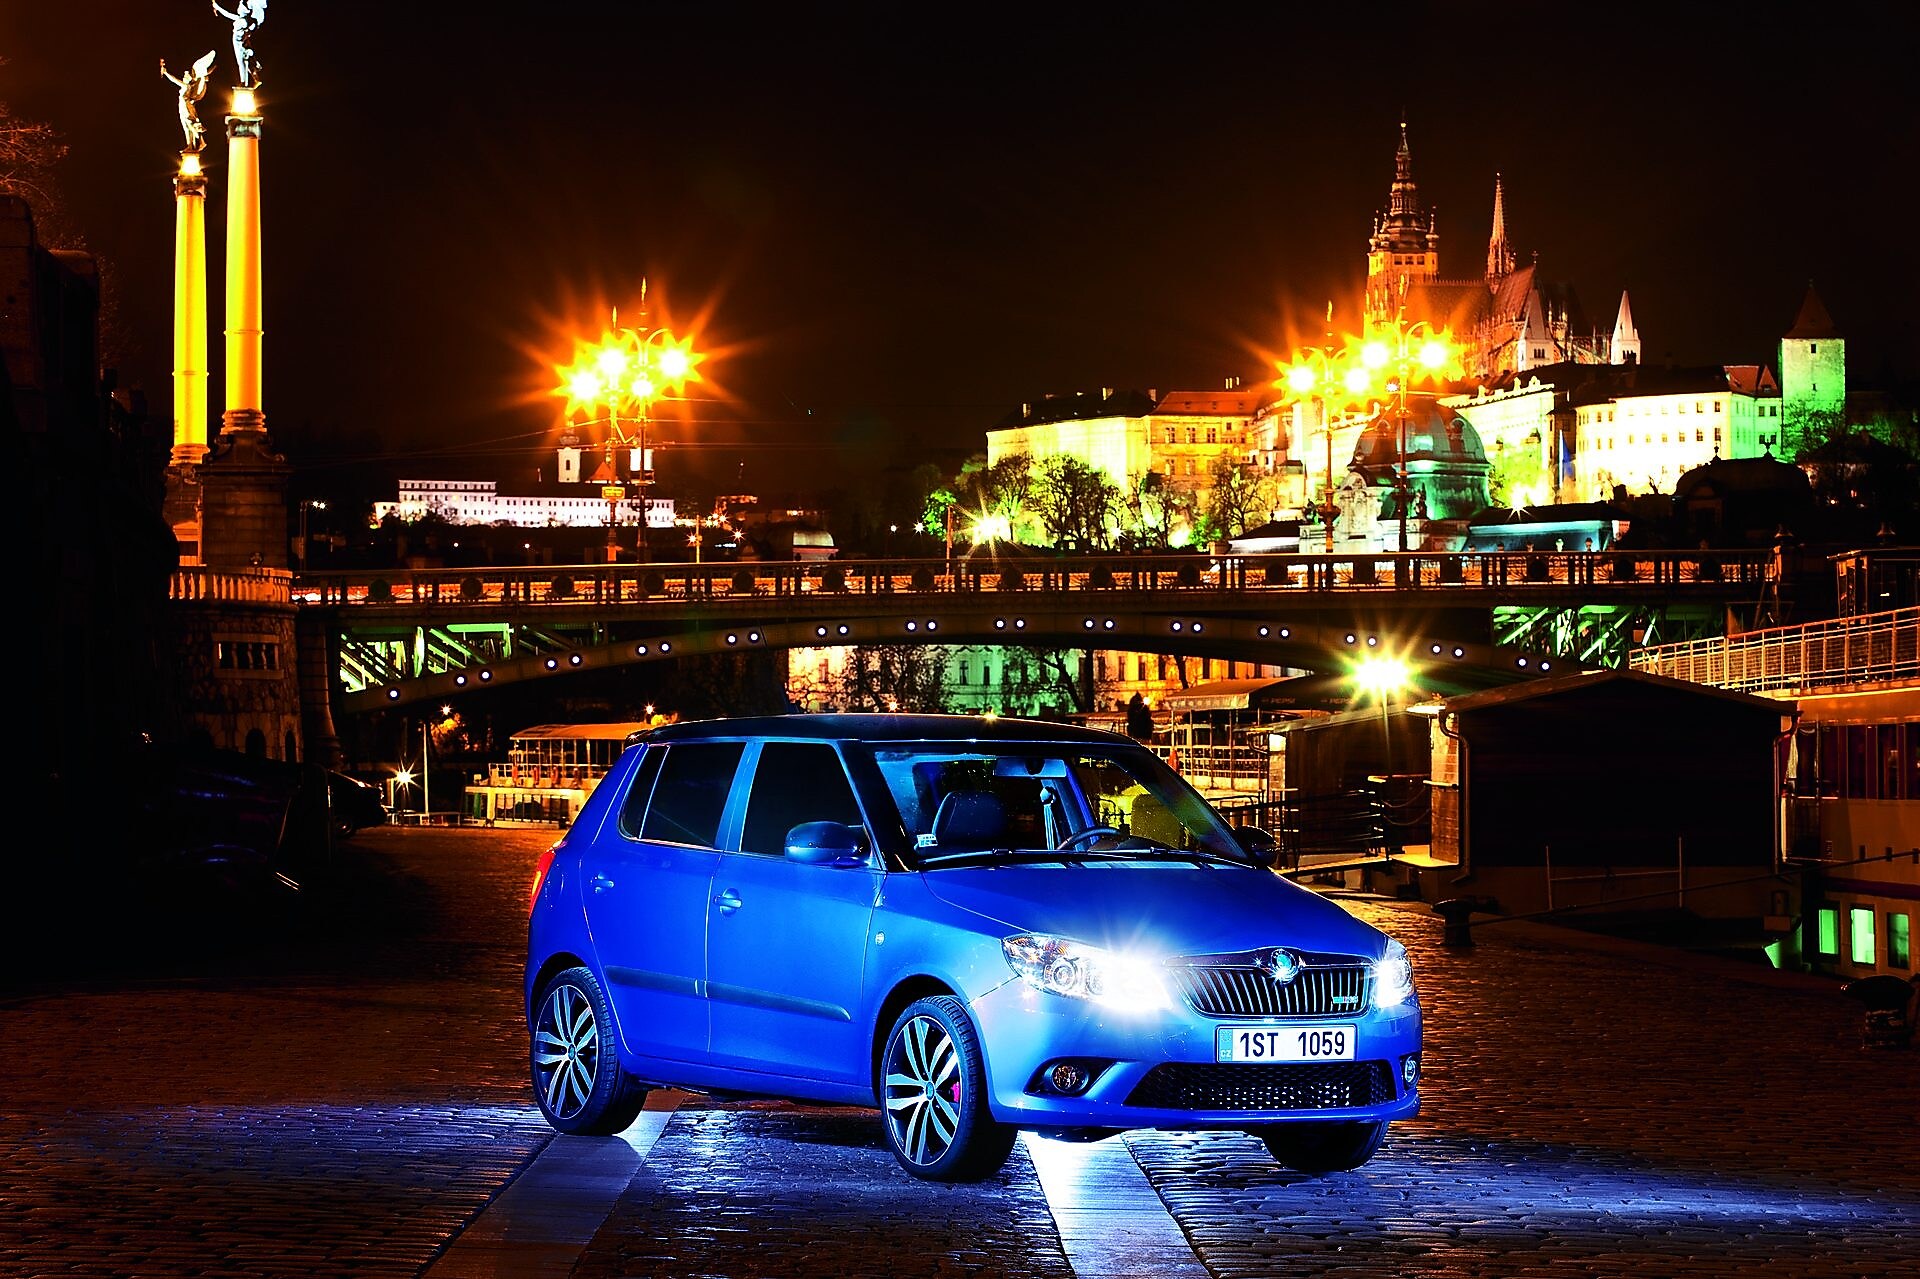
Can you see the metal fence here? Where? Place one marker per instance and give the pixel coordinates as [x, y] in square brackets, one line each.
[1875, 647]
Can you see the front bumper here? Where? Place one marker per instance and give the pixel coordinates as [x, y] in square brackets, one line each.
[1023, 1030]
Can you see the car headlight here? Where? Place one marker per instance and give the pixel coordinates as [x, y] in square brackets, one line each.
[1392, 977]
[1061, 967]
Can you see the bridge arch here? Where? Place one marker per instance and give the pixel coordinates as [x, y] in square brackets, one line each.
[1436, 656]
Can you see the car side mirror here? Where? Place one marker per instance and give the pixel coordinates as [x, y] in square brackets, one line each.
[827, 843]
[1258, 843]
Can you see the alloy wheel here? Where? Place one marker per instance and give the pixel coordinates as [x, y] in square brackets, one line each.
[923, 1090]
[566, 1051]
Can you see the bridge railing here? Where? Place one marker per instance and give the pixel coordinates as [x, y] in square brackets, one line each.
[1514, 572]
[197, 582]
[1870, 648]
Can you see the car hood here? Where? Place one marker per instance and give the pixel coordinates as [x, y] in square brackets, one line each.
[1162, 908]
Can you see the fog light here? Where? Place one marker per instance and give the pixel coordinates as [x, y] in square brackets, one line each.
[1410, 1068]
[1068, 1078]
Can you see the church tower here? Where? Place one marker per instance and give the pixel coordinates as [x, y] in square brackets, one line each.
[1813, 377]
[1405, 248]
[1499, 255]
[1626, 338]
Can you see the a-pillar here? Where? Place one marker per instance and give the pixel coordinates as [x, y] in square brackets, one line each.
[182, 502]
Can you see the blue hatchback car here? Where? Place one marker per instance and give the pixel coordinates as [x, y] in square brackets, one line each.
[976, 925]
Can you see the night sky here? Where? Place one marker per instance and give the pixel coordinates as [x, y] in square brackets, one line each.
[891, 227]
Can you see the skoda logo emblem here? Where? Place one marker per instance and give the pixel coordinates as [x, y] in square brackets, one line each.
[1283, 965]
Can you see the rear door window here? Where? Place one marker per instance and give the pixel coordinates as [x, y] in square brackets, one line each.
[691, 795]
[795, 782]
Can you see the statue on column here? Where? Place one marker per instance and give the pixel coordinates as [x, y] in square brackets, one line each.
[246, 19]
[193, 87]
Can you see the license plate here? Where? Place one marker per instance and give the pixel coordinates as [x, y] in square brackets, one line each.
[1285, 1043]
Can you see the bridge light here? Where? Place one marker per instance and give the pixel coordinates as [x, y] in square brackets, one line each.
[1373, 641]
[1176, 626]
[1263, 632]
[1546, 666]
[913, 626]
[665, 647]
[1088, 623]
[843, 630]
[733, 639]
[1519, 661]
[999, 623]
[393, 694]
[1196, 628]
[932, 625]
[1351, 637]
[1109, 623]
[553, 663]
[753, 637]
[639, 650]
[1436, 650]
[485, 676]
[1285, 632]
[460, 681]
[821, 631]
[1019, 623]
[1459, 653]
[573, 659]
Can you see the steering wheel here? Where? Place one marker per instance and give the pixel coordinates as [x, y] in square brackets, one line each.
[1086, 833]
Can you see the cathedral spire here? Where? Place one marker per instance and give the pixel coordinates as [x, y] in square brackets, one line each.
[1404, 198]
[1499, 256]
[1626, 338]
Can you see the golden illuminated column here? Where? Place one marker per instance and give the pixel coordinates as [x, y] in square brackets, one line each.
[245, 410]
[189, 311]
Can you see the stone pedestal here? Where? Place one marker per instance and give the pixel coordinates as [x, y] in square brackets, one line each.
[243, 502]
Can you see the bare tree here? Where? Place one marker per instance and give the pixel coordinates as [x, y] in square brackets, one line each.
[1240, 498]
[893, 677]
[1152, 507]
[29, 150]
[1076, 502]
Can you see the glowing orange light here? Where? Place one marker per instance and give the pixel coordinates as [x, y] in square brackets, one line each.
[1301, 378]
[1357, 381]
[1374, 354]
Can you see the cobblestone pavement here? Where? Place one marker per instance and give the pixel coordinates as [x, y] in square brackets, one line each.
[335, 1100]
[344, 1102]
[1591, 1108]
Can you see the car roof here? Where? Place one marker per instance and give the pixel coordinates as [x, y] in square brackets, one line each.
[882, 728]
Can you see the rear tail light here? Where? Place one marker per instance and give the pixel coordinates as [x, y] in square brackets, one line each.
[540, 869]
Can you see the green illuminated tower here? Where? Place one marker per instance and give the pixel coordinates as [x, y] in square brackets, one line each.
[1813, 378]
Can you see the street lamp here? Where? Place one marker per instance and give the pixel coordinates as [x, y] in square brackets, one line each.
[307, 504]
[1383, 677]
[1416, 349]
[623, 374]
[1325, 376]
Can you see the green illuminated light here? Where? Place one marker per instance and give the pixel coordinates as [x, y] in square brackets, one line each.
[1829, 934]
[1898, 955]
[1860, 934]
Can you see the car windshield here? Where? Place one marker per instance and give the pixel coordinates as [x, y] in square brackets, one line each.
[958, 800]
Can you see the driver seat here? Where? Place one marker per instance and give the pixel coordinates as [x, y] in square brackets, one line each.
[970, 820]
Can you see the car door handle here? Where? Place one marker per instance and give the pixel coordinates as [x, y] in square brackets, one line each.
[600, 883]
[728, 901]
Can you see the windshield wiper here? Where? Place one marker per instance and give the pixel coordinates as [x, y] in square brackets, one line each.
[930, 859]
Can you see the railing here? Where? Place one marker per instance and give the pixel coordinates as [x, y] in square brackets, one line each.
[1509, 573]
[238, 586]
[1875, 647]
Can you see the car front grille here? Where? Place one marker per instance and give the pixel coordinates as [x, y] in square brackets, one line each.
[1234, 990]
[1302, 1086]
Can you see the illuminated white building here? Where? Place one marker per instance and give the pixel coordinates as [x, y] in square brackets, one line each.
[538, 505]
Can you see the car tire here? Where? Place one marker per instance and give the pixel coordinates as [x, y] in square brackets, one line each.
[574, 1061]
[932, 1089]
[1317, 1148]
